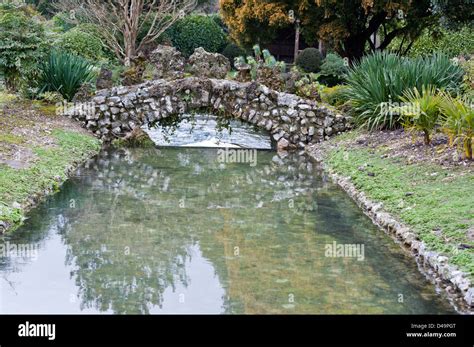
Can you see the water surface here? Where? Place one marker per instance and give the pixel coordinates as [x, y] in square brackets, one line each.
[206, 131]
[176, 230]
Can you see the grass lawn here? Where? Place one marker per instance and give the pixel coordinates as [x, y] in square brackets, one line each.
[42, 147]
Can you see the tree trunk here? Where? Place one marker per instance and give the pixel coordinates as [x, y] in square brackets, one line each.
[297, 40]
[322, 48]
[354, 48]
[131, 11]
[130, 46]
[468, 149]
[426, 136]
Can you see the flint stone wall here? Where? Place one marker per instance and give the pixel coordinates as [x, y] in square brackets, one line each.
[292, 121]
[208, 65]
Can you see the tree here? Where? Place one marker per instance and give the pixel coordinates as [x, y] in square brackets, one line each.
[350, 26]
[128, 26]
[455, 12]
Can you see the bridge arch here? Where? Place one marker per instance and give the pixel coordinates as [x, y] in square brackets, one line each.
[292, 121]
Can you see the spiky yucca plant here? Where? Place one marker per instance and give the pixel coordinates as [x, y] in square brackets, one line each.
[64, 73]
[382, 78]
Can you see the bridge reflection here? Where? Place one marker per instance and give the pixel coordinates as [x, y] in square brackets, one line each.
[138, 223]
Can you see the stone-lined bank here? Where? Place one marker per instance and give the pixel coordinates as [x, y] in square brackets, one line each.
[292, 121]
[435, 266]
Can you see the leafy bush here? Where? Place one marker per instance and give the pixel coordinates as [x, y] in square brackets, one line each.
[107, 54]
[61, 22]
[91, 29]
[309, 60]
[64, 73]
[309, 87]
[232, 51]
[51, 97]
[381, 79]
[421, 111]
[117, 72]
[81, 43]
[46, 8]
[449, 42]
[219, 21]
[468, 79]
[333, 70]
[335, 96]
[196, 31]
[21, 43]
[458, 122]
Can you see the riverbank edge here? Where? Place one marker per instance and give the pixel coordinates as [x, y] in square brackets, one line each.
[454, 282]
[37, 197]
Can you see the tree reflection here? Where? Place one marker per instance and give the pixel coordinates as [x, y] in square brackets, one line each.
[131, 219]
[141, 211]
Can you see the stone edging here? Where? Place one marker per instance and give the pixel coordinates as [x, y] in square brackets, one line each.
[435, 266]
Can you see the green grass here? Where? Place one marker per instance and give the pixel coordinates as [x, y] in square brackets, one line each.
[438, 207]
[6, 97]
[45, 108]
[46, 173]
[11, 139]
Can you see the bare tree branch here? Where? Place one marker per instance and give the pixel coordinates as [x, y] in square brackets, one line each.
[122, 21]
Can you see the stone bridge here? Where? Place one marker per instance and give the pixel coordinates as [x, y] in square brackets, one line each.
[292, 121]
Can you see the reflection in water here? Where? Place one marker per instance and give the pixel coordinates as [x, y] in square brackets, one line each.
[176, 231]
[204, 131]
